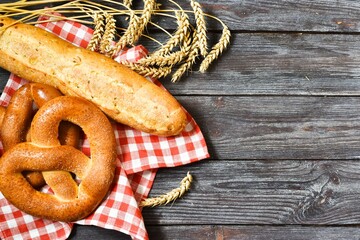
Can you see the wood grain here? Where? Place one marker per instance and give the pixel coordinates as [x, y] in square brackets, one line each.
[276, 64]
[285, 15]
[280, 127]
[280, 64]
[201, 232]
[262, 192]
[283, 233]
[4, 76]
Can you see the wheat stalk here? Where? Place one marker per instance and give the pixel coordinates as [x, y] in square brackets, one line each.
[99, 28]
[217, 49]
[170, 196]
[200, 27]
[109, 35]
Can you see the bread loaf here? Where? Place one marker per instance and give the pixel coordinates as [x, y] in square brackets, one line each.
[125, 96]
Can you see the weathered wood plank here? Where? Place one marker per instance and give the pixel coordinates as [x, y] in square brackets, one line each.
[254, 232]
[287, 127]
[261, 192]
[287, 232]
[280, 64]
[288, 15]
[89, 232]
[276, 64]
[209, 232]
[155, 232]
[273, 15]
[4, 75]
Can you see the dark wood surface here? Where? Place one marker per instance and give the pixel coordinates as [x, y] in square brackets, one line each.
[280, 114]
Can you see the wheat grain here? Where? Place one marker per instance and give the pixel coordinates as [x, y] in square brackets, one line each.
[170, 196]
[200, 26]
[108, 36]
[99, 29]
[217, 49]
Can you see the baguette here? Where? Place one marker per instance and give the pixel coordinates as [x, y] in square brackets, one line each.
[125, 96]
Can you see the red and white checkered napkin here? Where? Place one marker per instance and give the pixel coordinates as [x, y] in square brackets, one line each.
[140, 153]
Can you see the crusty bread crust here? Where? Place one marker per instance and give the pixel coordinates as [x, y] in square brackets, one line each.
[125, 96]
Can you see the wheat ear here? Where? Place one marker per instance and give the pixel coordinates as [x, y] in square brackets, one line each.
[109, 35]
[200, 27]
[148, 71]
[164, 56]
[170, 196]
[99, 29]
[192, 49]
[182, 29]
[217, 49]
[167, 60]
[127, 37]
[149, 7]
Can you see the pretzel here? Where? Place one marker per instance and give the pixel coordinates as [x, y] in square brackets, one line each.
[45, 153]
[16, 118]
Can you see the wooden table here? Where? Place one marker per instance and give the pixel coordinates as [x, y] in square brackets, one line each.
[280, 114]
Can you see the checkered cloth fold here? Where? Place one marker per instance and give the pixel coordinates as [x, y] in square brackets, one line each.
[139, 154]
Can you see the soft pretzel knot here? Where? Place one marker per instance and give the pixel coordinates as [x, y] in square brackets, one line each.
[16, 118]
[45, 153]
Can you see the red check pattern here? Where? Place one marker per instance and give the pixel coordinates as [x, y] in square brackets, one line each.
[141, 155]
